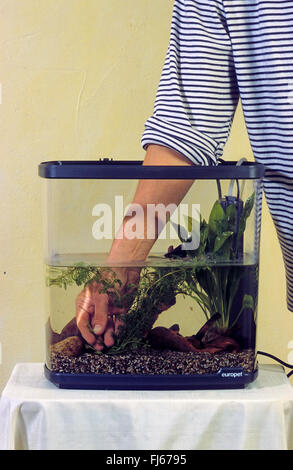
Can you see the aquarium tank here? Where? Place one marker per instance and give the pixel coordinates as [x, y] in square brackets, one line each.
[186, 317]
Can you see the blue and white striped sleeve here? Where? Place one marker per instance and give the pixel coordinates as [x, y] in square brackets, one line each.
[198, 93]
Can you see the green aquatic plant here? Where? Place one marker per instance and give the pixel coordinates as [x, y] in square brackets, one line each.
[157, 290]
[79, 274]
[215, 285]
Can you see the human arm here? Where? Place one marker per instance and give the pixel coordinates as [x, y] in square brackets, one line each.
[194, 109]
[95, 308]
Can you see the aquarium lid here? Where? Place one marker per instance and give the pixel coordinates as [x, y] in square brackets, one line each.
[125, 169]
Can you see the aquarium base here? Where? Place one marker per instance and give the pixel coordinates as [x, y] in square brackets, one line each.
[225, 378]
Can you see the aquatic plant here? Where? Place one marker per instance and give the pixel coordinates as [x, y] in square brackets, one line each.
[214, 285]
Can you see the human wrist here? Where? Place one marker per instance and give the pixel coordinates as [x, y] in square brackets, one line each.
[128, 251]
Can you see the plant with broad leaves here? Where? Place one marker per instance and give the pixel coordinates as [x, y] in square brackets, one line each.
[215, 284]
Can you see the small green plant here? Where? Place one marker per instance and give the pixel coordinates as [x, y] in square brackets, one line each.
[79, 274]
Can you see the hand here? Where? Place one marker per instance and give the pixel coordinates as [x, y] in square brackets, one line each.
[97, 313]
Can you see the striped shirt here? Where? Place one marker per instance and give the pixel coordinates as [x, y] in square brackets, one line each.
[220, 51]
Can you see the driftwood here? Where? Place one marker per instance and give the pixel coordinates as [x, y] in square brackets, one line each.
[207, 339]
[168, 338]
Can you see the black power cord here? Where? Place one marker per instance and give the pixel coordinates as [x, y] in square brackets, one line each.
[285, 364]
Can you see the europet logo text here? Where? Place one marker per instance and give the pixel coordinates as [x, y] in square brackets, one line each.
[150, 221]
[233, 375]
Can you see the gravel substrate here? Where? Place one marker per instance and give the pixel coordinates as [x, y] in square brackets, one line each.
[152, 362]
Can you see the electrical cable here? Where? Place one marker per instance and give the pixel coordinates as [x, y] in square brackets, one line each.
[283, 363]
[239, 192]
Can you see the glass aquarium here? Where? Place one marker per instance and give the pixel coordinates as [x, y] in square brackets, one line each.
[182, 317]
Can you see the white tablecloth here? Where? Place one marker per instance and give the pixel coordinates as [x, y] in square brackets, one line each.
[34, 414]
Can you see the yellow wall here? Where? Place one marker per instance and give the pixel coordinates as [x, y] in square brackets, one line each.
[78, 81]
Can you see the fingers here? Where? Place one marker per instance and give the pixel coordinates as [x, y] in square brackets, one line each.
[89, 306]
[83, 310]
[82, 321]
[97, 315]
[109, 339]
[100, 317]
[102, 325]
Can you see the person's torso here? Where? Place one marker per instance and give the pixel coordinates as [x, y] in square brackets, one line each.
[261, 34]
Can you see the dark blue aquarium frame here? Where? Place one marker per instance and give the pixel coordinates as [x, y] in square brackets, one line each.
[117, 169]
[225, 378]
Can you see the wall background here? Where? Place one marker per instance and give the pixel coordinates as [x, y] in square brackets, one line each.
[78, 80]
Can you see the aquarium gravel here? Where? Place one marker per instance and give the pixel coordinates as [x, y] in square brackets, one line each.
[153, 362]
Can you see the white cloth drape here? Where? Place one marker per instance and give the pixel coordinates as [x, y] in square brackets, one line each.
[34, 415]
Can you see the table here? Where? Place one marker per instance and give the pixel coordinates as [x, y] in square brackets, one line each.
[35, 415]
